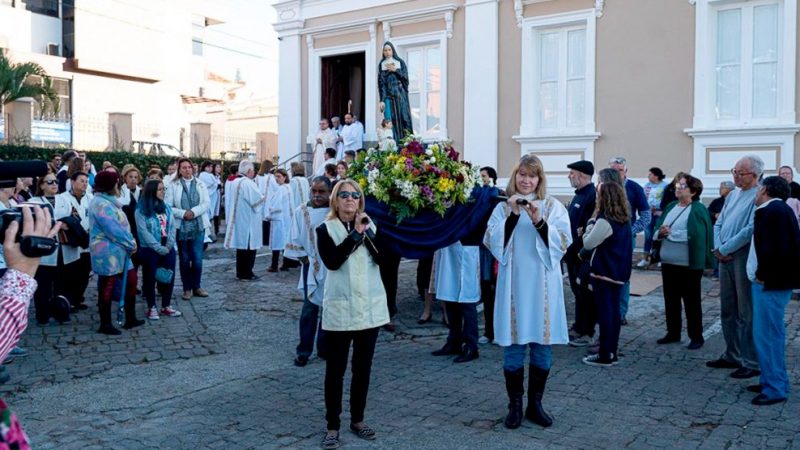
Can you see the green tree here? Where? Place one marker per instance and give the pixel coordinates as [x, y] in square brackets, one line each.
[19, 80]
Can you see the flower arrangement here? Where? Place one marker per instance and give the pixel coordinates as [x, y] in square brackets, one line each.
[416, 177]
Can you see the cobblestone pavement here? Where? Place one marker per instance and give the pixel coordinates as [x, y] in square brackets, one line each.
[221, 376]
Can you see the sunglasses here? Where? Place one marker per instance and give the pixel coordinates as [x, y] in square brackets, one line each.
[347, 194]
[51, 182]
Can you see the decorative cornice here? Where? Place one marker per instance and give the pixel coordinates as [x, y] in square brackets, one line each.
[448, 22]
[310, 41]
[372, 31]
[598, 8]
[394, 19]
[518, 8]
[387, 31]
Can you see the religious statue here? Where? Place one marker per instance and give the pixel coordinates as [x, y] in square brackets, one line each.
[393, 90]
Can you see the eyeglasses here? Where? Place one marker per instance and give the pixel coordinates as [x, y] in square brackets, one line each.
[741, 174]
[680, 185]
[51, 182]
[348, 194]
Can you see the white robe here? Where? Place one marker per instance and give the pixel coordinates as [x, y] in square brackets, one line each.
[529, 302]
[300, 191]
[228, 198]
[280, 216]
[321, 171]
[458, 274]
[352, 137]
[328, 137]
[303, 243]
[244, 227]
[212, 183]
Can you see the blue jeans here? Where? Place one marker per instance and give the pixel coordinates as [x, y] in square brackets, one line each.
[514, 356]
[769, 334]
[190, 253]
[151, 261]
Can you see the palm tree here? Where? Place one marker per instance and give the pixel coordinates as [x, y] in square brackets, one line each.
[19, 80]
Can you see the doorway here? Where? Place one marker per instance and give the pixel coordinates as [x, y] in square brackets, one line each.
[342, 81]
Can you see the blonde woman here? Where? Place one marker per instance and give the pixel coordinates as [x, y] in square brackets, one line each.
[355, 306]
[528, 235]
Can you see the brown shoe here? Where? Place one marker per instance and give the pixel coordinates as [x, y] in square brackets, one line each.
[200, 292]
[187, 295]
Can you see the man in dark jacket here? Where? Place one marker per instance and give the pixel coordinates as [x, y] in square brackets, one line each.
[580, 211]
[773, 270]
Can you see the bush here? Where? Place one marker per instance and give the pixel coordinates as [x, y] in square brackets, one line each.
[119, 159]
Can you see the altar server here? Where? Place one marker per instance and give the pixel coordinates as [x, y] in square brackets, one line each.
[279, 203]
[244, 228]
[458, 285]
[528, 235]
[325, 138]
[303, 247]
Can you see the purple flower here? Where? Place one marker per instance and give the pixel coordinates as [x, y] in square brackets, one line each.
[426, 191]
[415, 148]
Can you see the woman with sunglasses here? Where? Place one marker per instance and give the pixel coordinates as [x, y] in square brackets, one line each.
[50, 285]
[355, 306]
[156, 247]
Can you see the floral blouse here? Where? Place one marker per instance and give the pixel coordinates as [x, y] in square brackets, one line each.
[110, 239]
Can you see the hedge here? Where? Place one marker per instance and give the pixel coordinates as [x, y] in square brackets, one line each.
[119, 159]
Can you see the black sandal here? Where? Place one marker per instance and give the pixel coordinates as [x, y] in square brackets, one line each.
[330, 442]
[364, 432]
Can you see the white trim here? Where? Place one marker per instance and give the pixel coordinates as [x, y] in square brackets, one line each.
[370, 85]
[319, 8]
[439, 37]
[529, 95]
[290, 138]
[418, 15]
[705, 36]
[565, 149]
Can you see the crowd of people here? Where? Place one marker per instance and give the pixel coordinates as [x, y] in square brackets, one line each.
[113, 222]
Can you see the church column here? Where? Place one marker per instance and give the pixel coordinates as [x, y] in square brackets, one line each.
[480, 81]
[290, 131]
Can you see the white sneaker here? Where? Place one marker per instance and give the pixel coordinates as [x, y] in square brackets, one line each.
[483, 340]
[643, 263]
[152, 313]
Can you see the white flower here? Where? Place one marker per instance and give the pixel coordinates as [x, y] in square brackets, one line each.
[428, 151]
[433, 160]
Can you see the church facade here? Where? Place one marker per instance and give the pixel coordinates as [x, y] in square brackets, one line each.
[685, 85]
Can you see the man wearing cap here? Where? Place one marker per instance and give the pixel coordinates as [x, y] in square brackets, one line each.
[580, 211]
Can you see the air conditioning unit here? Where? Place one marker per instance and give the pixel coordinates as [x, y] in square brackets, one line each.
[52, 49]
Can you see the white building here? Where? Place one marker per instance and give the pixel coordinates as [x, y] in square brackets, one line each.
[144, 58]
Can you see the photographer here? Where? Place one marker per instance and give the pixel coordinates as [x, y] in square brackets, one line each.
[16, 290]
[355, 306]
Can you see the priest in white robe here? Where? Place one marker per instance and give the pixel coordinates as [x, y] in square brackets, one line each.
[280, 216]
[458, 285]
[303, 247]
[528, 235]
[325, 138]
[330, 158]
[244, 227]
[352, 135]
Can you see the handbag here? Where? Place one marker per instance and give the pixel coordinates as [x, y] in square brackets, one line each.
[655, 250]
[164, 275]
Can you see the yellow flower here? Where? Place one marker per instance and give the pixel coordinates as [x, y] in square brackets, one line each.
[363, 183]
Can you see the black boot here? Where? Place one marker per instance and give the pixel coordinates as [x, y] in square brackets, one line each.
[515, 390]
[105, 320]
[130, 315]
[536, 382]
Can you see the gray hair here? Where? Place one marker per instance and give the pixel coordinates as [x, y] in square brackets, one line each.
[618, 160]
[245, 166]
[727, 185]
[609, 176]
[756, 164]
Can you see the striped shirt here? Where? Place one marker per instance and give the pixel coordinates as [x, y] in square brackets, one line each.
[16, 291]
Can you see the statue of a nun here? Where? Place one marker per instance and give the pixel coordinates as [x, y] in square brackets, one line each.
[393, 89]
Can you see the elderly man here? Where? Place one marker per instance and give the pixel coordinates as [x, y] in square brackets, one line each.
[303, 246]
[772, 268]
[581, 209]
[732, 234]
[244, 229]
[640, 219]
[325, 138]
[787, 173]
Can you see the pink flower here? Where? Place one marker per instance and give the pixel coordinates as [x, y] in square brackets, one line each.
[415, 148]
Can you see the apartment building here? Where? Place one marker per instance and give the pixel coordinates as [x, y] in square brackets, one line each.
[680, 84]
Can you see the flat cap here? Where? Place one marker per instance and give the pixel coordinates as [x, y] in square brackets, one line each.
[582, 166]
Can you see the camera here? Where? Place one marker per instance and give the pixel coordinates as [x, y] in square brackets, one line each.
[522, 201]
[31, 246]
[364, 220]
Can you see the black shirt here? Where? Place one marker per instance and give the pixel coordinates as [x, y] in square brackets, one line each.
[333, 256]
[795, 190]
[715, 208]
[581, 209]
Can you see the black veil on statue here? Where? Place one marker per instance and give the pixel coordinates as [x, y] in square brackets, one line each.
[393, 90]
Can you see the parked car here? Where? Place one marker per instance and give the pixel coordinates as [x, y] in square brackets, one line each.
[156, 149]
